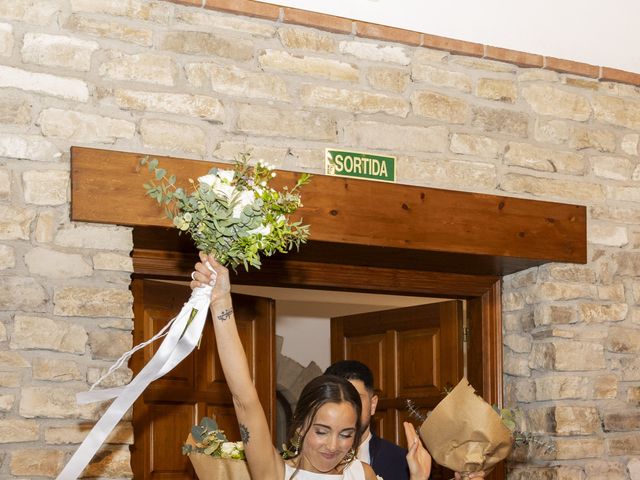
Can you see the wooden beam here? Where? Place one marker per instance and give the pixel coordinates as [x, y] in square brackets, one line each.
[497, 234]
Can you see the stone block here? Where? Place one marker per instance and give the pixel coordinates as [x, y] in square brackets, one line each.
[143, 67]
[623, 421]
[95, 237]
[10, 379]
[6, 402]
[173, 136]
[354, 101]
[629, 368]
[302, 39]
[48, 334]
[581, 138]
[110, 464]
[45, 187]
[617, 111]
[623, 340]
[121, 434]
[308, 66]
[579, 448]
[628, 444]
[394, 80]
[397, 137]
[572, 273]
[211, 19]
[231, 80]
[561, 387]
[612, 168]
[85, 127]
[7, 259]
[475, 145]
[43, 83]
[600, 313]
[439, 107]
[109, 344]
[441, 77]
[120, 377]
[633, 396]
[157, 12]
[498, 120]
[54, 264]
[205, 43]
[550, 291]
[58, 51]
[543, 159]
[55, 370]
[576, 420]
[22, 293]
[44, 463]
[270, 122]
[46, 226]
[92, 302]
[605, 387]
[500, 89]
[375, 52]
[6, 39]
[198, 106]
[15, 111]
[629, 144]
[552, 131]
[28, 147]
[112, 261]
[48, 402]
[456, 174]
[18, 430]
[550, 100]
[518, 343]
[108, 28]
[567, 355]
[609, 470]
[546, 187]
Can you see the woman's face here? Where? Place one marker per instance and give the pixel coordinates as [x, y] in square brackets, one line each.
[329, 438]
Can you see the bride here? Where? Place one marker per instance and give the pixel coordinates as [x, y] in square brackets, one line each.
[326, 424]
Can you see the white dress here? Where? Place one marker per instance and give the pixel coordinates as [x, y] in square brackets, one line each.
[354, 471]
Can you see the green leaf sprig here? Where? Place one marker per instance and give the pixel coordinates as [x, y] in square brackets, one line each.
[210, 440]
[234, 213]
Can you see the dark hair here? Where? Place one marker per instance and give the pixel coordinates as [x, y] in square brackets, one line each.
[318, 392]
[352, 370]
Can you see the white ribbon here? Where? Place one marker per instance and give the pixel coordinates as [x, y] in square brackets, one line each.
[180, 341]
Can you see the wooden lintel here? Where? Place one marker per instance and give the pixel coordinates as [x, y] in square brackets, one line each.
[498, 234]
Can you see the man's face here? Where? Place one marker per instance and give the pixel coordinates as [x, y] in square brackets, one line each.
[369, 404]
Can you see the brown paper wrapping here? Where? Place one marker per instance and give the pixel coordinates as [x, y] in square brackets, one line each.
[464, 433]
[213, 468]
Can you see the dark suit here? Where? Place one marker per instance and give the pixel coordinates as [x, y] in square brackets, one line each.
[388, 459]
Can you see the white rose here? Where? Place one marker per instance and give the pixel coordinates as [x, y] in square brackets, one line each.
[207, 179]
[246, 198]
[262, 230]
[225, 175]
[227, 449]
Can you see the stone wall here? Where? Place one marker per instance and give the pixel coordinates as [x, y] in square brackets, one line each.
[162, 78]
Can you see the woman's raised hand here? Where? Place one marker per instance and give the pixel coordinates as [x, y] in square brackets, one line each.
[418, 458]
[209, 272]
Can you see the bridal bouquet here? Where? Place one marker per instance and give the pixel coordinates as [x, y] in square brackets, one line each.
[464, 433]
[233, 213]
[212, 455]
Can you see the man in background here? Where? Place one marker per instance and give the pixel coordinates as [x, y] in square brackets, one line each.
[387, 459]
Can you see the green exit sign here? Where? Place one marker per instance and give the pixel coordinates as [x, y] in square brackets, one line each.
[360, 165]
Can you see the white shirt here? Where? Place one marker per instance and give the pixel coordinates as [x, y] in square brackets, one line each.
[363, 450]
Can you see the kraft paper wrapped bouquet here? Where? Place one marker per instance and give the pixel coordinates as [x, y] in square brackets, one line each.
[464, 433]
[213, 457]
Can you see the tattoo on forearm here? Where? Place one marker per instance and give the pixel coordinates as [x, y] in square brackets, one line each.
[244, 434]
[225, 315]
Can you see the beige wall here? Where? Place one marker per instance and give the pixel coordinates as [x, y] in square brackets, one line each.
[161, 78]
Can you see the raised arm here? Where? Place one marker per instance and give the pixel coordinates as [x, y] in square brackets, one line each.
[263, 459]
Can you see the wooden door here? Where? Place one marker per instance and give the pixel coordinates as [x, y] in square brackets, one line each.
[415, 353]
[164, 414]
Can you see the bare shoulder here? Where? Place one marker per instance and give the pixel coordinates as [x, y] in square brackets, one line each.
[369, 474]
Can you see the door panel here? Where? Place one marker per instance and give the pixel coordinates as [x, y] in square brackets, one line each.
[415, 353]
[164, 414]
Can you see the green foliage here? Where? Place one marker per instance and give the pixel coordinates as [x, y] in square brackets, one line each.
[233, 214]
[210, 440]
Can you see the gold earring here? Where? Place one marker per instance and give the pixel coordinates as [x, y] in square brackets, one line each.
[350, 456]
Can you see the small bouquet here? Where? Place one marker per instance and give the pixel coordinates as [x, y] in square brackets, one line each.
[212, 455]
[464, 433]
[233, 213]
